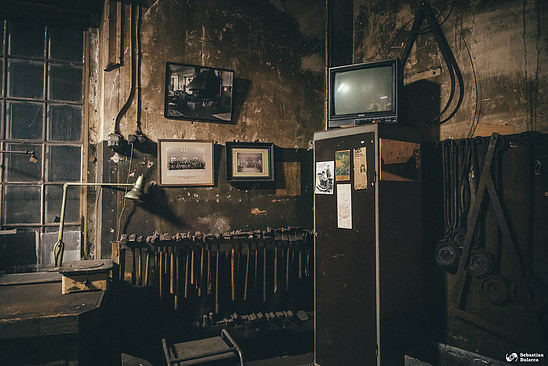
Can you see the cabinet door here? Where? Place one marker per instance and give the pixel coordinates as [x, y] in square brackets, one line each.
[345, 291]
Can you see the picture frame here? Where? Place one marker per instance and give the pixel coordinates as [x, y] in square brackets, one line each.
[198, 93]
[250, 161]
[185, 163]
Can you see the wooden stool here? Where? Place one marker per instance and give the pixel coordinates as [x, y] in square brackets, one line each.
[202, 350]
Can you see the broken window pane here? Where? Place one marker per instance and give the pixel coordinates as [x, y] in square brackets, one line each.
[19, 167]
[64, 123]
[54, 197]
[65, 83]
[22, 204]
[26, 39]
[65, 44]
[64, 163]
[24, 120]
[25, 79]
[18, 251]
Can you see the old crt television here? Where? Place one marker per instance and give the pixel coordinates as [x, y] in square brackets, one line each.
[364, 93]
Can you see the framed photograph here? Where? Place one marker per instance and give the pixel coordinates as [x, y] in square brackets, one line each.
[198, 93]
[250, 161]
[185, 163]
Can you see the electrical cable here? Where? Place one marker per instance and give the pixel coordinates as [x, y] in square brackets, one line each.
[138, 36]
[129, 100]
[425, 11]
[403, 27]
[428, 30]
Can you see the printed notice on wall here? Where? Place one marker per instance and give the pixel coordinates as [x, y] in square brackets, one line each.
[342, 165]
[324, 177]
[360, 168]
[344, 206]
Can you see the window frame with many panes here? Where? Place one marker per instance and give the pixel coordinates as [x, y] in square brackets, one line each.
[41, 104]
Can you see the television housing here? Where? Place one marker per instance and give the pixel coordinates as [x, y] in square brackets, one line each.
[364, 93]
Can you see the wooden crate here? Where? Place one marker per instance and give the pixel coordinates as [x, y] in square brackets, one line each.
[86, 276]
[84, 282]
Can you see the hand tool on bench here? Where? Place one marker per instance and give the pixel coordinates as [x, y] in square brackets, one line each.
[165, 241]
[267, 236]
[176, 242]
[300, 258]
[192, 264]
[257, 235]
[147, 260]
[289, 242]
[154, 271]
[122, 253]
[210, 239]
[277, 240]
[232, 269]
[217, 279]
[201, 279]
[172, 267]
[247, 270]
[140, 244]
[131, 244]
[160, 268]
[187, 268]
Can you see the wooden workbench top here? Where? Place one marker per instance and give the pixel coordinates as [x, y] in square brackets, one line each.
[38, 309]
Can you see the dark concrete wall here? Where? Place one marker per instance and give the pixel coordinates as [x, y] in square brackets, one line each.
[500, 49]
[276, 49]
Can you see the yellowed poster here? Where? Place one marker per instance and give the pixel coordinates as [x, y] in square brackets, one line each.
[360, 168]
[342, 165]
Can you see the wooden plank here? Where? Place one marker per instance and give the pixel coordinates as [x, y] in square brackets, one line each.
[28, 278]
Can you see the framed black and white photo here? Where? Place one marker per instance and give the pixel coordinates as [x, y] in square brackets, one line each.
[250, 161]
[185, 163]
[198, 93]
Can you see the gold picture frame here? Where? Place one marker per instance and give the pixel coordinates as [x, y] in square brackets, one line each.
[250, 161]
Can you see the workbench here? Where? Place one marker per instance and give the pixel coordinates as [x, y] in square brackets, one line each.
[36, 315]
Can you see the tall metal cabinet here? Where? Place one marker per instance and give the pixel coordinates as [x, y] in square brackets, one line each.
[367, 216]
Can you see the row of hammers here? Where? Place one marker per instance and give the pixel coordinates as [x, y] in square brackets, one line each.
[236, 265]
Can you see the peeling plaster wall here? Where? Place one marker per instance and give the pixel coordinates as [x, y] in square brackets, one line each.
[276, 50]
[500, 48]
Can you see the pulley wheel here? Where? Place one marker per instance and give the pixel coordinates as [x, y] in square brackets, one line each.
[446, 254]
[481, 263]
[459, 236]
[495, 288]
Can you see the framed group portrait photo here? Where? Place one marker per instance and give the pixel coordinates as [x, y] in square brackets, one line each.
[185, 163]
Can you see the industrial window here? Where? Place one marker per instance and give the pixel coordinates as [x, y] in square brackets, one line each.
[41, 93]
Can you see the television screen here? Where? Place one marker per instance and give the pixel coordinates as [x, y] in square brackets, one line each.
[363, 90]
[364, 93]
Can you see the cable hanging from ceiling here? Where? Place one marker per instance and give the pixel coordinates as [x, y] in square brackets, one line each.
[425, 12]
